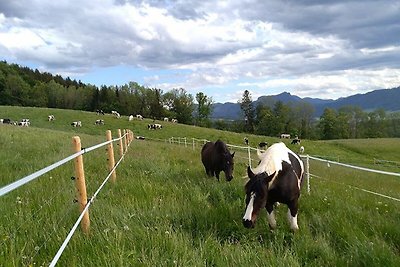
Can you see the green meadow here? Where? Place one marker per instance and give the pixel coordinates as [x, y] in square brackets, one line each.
[163, 210]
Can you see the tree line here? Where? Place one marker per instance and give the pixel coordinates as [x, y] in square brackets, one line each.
[297, 120]
[22, 86]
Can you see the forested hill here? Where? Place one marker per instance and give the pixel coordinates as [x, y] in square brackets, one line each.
[386, 99]
[22, 86]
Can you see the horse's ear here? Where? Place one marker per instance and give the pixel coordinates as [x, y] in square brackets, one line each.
[268, 178]
[250, 172]
[233, 154]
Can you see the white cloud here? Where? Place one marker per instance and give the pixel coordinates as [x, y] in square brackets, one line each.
[316, 49]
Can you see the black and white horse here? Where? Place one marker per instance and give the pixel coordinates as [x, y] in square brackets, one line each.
[276, 179]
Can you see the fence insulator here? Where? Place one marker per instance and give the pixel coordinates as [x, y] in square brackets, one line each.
[80, 184]
[111, 160]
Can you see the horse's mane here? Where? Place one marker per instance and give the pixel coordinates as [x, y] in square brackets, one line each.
[271, 160]
[220, 146]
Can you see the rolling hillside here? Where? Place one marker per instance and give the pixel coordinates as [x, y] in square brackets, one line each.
[164, 211]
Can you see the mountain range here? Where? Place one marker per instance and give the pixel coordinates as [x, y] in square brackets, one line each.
[387, 99]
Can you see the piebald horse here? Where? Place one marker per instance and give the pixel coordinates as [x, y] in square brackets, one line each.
[277, 178]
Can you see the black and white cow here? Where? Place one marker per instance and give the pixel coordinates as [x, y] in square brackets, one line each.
[76, 124]
[296, 141]
[6, 121]
[24, 122]
[154, 126]
[116, 114]
[276, 179]
[263, 145]
[99, 112]
[51, 117]
[99, 122]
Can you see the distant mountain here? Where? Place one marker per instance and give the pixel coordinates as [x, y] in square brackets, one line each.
[387, 99]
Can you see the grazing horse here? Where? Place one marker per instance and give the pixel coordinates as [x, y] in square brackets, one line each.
[276, 179]
[216, 158]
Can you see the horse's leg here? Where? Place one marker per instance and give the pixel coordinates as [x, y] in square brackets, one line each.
[292, 215]
[271, 215]
[217, 174]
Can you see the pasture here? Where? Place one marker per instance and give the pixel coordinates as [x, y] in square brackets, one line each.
[164, 211]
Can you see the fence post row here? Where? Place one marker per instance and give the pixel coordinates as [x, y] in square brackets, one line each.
[80, 184]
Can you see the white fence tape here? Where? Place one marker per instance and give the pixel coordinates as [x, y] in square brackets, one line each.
[69, 236]
[355, 167]
[307, 158]
[8, 188]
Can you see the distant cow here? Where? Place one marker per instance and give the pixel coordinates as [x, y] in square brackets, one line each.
[116, 114]
[301, 150]
[216, 158]
[287, 136]
[140, 117]
[174, 121]
[24, 122]
[99, 122]
[296, 141]
[100, 111]
[6, 121]
[263, 145]
[166, 119]
[130, 118]
[154, 126]
[76, 124]
[246, 141]
[51, 117]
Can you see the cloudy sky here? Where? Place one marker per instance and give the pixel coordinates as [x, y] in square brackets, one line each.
[310, 48]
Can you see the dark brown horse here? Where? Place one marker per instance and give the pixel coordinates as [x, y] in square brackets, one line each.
[216, 158]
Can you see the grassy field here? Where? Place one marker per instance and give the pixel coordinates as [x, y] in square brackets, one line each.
[164, 211]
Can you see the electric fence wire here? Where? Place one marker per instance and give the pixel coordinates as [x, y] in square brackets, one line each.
[69, 236]
[35, 213]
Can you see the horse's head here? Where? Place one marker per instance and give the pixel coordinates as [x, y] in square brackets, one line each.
[228, 165]
[256, 196]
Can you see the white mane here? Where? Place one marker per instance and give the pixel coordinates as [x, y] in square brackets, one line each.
[271, 160]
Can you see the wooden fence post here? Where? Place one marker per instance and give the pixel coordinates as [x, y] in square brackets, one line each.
[308, 174]
[111, 160]
[248, 152]
[121, 148]
[125, 141]
[80, 184]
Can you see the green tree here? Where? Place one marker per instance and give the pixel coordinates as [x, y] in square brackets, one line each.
[204, 109]
[16, 90]
[303, 116]
[154, 99]
[327, 124]
[246, 105]
[179, 105]
[264, 119]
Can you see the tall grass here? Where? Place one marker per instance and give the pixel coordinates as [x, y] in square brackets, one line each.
[164, 211]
